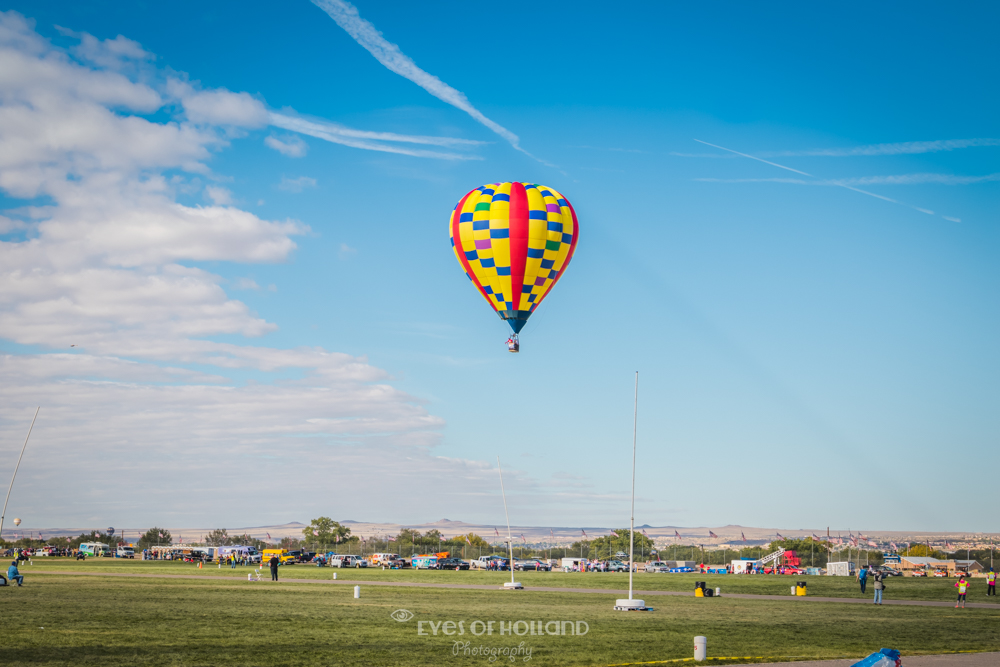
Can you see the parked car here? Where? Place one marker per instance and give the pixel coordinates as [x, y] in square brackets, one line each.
[890, 572]
[615, 565]
[654, 566]
[791, 569]
[941, 573]
[542, 565]
[452, 564]
[919, 573]
[396, 563]
[348, 561]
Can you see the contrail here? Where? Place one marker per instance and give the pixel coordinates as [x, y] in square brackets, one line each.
[840, 185]
[297, 123]
[357, 138]
[901, 148]
[367, 35]
[773, 164]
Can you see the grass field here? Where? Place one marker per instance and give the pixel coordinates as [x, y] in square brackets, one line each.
[97, 620]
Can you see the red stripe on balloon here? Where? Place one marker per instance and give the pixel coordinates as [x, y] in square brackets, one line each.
[518, 240]
[456, 217]
[569, 255]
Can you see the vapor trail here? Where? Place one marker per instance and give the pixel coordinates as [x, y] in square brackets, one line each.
[368, 36]
[357, 138]
[839, 185]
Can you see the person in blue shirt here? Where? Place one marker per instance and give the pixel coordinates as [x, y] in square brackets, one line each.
[863, 578]
[13, 574]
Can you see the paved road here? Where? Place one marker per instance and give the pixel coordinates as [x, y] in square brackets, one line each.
[547, 589]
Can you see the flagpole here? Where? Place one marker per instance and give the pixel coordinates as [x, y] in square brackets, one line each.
[630, 603]
[4, 512]
[631, 527]
[510, 541]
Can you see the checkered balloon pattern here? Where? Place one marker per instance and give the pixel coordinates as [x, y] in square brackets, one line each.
[514, 241]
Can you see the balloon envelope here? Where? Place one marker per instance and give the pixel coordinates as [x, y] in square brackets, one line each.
[17, 522]
[514, 241]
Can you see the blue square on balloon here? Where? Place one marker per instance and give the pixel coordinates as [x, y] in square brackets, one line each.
[503, 270]
[488, 263]
[548, 263]
[567, 238]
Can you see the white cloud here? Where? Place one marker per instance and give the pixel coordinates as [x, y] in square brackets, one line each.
[247, 283]
[297, 184]
[291, 146]
[218, 107]
[218, 195]
[161, 377]
[347, 251]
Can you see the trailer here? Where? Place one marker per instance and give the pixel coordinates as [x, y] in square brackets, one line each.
[841, 569]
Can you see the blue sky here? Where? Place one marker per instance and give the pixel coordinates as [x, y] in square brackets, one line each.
[261, 311]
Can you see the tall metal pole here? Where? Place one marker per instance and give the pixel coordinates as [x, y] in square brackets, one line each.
[631, 526]
[4, 513]
[510, 542]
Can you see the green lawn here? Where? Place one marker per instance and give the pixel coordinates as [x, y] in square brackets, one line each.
[96, 620]
[899, 588]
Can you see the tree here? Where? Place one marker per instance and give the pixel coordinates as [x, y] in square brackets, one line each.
[218, 538]
[919, 550]
[325, 530]
[475, 540]
[155, 536]
[289, 543]
[618, 542]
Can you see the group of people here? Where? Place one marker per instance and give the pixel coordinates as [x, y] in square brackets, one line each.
[878, 584]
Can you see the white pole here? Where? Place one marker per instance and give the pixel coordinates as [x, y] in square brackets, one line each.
[510, 542]
[631, 527]
[4, 513]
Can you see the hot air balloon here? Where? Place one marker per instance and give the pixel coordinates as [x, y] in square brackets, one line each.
[514, 241]
[17, 522]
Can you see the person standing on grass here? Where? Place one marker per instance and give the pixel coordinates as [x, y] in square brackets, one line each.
[274, 567]
[879, 586]
[991, 583]
[963, 588]
[863, 578]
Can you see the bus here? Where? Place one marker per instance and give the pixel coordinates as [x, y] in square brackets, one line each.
[284, 556]
[95, 549]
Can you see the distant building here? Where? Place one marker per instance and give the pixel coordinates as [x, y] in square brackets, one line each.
[910, 563]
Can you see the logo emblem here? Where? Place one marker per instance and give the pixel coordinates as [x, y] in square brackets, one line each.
[401, 615]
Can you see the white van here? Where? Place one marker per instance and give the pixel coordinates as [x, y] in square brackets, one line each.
[125, 552]
[348, 561]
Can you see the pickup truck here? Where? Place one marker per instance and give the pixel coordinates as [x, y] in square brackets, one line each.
[125, 552]
[656, 566]
[483, 562]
